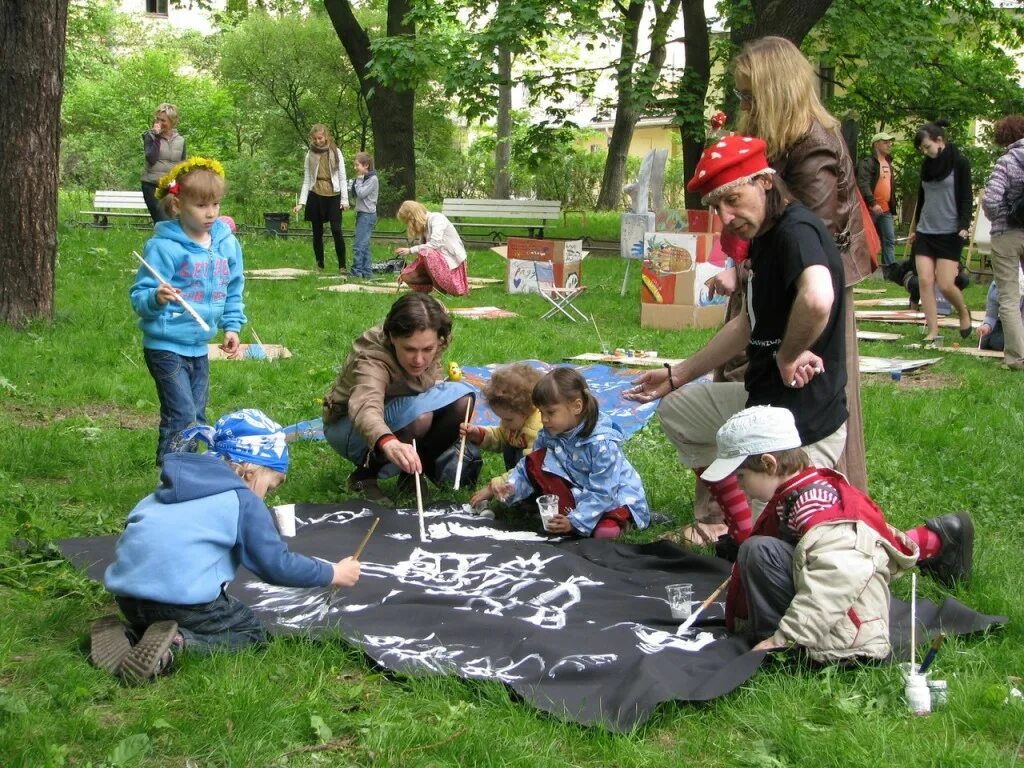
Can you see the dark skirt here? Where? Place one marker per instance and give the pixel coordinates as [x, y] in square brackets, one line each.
[323, 209]
[947, 247]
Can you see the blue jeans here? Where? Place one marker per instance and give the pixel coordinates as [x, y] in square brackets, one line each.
[225, 623]
[887, 234]
[182, 384]
[365, 222]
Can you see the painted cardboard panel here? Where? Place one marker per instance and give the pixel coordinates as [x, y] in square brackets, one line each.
[633, 229]
[674, 317]
[550, 263]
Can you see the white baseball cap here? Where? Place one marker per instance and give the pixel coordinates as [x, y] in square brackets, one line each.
[751, 432]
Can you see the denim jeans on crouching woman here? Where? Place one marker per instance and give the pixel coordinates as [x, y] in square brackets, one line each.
[222, 624]
[182, 384]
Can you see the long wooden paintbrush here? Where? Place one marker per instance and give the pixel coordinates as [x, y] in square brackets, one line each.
[180, 299]
[326, 607]
[700, 609]
[462, 449]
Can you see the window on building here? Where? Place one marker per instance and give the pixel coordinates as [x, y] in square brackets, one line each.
[156, 6]
[826, 82]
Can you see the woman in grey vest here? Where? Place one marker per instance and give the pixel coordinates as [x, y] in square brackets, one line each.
[945, 205]
[165, 148]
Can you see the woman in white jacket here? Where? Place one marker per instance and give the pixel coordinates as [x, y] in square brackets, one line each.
[324, 192]
[440, 255]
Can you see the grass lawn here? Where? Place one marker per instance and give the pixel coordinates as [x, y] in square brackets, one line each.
[78, 417]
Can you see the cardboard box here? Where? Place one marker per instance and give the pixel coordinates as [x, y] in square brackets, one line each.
[678, 266]
[674, 317]
[531, 263]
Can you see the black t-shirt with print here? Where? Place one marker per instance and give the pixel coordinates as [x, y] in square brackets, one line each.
[777, 259]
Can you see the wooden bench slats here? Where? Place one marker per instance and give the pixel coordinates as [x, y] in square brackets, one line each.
[115, 202]
[536, 211]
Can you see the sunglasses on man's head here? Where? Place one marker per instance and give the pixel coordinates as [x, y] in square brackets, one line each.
[742, 95]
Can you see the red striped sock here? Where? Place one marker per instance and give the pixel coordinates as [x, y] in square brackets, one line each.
[927, 541]
[734, 506]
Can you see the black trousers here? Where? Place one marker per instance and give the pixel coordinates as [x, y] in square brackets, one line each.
[318, 210]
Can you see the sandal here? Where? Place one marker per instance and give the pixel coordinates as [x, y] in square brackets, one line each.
[152, 654]
[109, 644]
[703, 534]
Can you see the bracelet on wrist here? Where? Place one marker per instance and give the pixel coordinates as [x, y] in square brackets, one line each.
[671, 382]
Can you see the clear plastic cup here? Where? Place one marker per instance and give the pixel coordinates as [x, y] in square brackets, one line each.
[680, 600]
[548, 506]
[284, 518]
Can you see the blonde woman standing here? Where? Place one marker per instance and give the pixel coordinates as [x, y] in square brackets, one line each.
[440, 255]
[164, 148]
[778, 91]
[324, 192]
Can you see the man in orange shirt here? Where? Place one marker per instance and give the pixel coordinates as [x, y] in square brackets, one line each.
[875, 181]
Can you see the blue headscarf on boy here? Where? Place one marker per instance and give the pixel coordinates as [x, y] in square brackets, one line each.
[248, 435]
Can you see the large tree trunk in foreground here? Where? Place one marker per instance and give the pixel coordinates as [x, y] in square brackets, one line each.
[391, 109]
[32, 84]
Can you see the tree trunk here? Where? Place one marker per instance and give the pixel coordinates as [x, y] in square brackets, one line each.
[694, 90]
[32, 36]
[391, 109]
[503, 125]
[635, 91]
[791, 19]
[614, 176]
[626, 114]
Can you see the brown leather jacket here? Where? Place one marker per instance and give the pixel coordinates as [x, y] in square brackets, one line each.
[819, 172]
[370, 376]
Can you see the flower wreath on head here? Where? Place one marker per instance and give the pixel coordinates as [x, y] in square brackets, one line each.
[168, 184]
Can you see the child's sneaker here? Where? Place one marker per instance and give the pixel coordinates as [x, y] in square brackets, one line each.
[956, 557]
[108, 643]
[152, 655]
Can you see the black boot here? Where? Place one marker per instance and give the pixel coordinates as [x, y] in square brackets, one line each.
[956, 557]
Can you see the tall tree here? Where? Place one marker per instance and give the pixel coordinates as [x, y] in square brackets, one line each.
[32, 34]
[390, 105]
[636, 83]
[503, 123]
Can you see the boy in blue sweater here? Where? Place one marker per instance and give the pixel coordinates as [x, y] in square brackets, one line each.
[201, 262]
[184, 542]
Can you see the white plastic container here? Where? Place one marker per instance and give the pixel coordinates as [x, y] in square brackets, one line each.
[918, 695]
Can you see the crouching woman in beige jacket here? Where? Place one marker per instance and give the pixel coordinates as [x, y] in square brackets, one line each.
[390, 392]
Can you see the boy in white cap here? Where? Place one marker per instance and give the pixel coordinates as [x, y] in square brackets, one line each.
[183, 543]
[815, 570]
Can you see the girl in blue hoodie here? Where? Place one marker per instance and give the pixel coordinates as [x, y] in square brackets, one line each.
[200, 262]
[578, 457]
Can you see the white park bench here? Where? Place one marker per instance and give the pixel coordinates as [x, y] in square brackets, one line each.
[531, 215]
[107, 203]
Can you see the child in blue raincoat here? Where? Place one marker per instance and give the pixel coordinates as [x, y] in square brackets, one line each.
[578, 457]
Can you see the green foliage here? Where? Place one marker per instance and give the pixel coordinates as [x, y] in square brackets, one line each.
[899, 65]
[104, 118]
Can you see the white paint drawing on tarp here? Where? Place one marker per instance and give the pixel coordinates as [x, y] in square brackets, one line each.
[448, 528]
[517, 588]
[651, 641]
[580, 662]
[293, 607]
[431, 655]
[336, 517]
